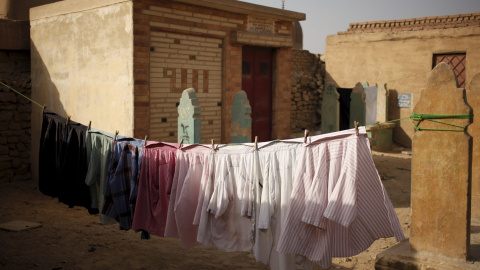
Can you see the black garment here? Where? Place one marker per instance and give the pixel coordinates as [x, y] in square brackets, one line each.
[63, 160]
[53, 128]
[73, 167]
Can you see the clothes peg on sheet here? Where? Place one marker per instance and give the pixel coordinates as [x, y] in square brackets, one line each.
[68, 120]
[356, 127]
[305, 136]
[180, 145]
[116, 134]
[44, 107]
[213, 144]
[256, 146]
[89, 126]
[146, 138]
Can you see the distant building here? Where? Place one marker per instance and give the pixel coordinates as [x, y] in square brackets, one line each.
[401, 54]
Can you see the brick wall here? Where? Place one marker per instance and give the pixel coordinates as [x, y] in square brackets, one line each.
[15, 113]
[307, 83]
[179, 46]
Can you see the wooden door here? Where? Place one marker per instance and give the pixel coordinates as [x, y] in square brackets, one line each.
[257, 83]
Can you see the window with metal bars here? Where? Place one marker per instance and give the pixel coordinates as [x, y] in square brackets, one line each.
[457, 61]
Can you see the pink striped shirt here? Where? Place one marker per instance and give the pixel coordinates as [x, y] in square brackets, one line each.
[339, 206]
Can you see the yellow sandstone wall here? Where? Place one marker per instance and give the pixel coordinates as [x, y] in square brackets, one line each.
[82, 64]
[401, 59]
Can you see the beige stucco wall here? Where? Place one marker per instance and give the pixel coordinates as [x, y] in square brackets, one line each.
[82, 64]
[402, 60]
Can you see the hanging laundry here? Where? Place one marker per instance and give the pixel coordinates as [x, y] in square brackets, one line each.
[189, 167]
[120, 193]
[62, 160]
[99, 151]
[51, 143]
[156, 177]
[277, 163]
[339, 206]
[73, 170]
[219, 217]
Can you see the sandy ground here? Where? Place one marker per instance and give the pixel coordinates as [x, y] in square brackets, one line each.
[70, 238]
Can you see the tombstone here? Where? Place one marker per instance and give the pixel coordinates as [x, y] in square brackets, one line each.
[330, 109]
[189, 125]
[382, 133]
[382, 103]
[440, 171]
[357, 106]
[241, 119]
[370, 105]
[440, 197]
[473, 99]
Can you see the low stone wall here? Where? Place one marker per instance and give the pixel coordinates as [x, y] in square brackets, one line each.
[15, 112]
[308, 72]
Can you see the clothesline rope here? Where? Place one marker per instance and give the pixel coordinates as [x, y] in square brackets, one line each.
[33, 101]
[414, 117]
[431, 117]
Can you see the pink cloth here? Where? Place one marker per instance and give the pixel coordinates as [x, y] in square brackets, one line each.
[339, 205]
[190, 161]
[156, 176]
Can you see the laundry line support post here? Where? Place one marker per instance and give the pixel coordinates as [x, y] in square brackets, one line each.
[441, 184]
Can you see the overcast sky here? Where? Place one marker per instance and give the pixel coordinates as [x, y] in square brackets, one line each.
[327, 17]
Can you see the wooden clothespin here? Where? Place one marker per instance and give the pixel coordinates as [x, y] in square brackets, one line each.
[256, 146]
[89, 126]
[180, 145]
[305, 136]
[213, 144]
[146, 138]
[116, 134]
[68, 120]
[44, 107]
[356, 127]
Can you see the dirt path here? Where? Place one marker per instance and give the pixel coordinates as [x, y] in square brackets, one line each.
[70, 238]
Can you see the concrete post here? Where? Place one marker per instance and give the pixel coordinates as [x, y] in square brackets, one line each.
[441, 178]
[473, 99]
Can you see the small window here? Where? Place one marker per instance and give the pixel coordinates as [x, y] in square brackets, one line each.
[246, 68]
[457, 61]
[264, 68]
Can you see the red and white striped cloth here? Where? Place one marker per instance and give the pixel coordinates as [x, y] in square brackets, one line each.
[339, 205]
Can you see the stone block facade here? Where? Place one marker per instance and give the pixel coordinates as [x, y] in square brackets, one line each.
[308, 72]
[15, 116]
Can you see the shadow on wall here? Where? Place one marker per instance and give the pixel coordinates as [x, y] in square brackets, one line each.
[45, 92]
